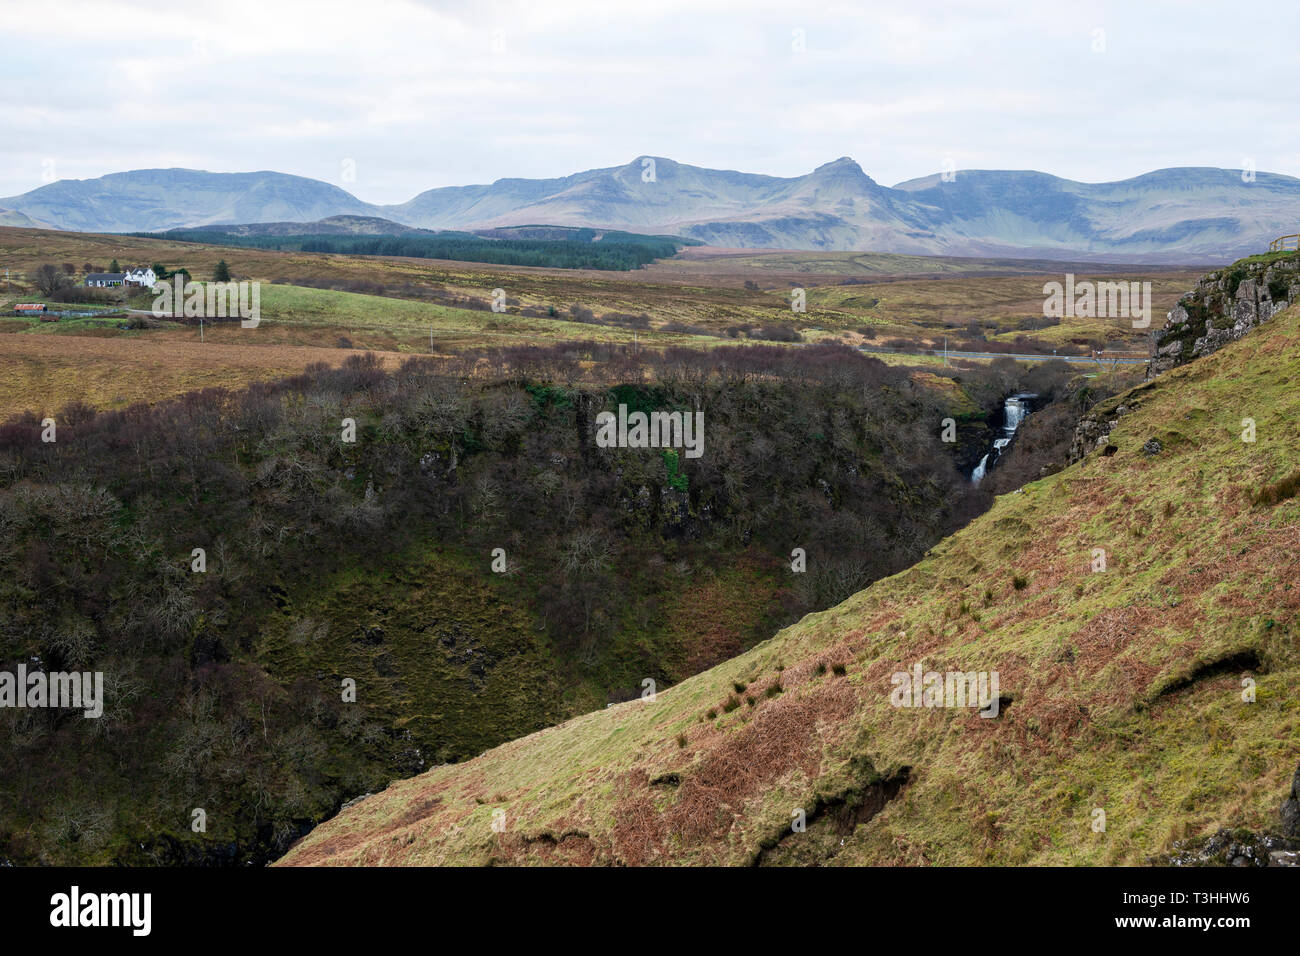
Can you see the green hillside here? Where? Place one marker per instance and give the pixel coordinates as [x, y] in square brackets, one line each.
[1122, 690]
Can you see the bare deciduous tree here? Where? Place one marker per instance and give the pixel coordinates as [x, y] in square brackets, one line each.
[49, 279]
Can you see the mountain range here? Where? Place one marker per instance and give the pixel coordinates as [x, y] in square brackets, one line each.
[1185, 214]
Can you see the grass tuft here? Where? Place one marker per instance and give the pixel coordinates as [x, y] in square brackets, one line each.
[1279, 490]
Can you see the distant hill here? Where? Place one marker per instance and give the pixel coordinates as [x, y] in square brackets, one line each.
[329, 226]
[18, 220]
[156, 199]
[1198, 213]
[1170, 215]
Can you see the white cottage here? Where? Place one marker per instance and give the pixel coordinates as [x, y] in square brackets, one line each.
[142, 276]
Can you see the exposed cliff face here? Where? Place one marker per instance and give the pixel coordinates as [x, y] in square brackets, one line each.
[1224, 306]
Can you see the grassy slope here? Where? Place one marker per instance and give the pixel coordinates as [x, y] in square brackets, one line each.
[1196, 574]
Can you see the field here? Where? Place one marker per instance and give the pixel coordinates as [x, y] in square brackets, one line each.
[45, 372]
[320, 308]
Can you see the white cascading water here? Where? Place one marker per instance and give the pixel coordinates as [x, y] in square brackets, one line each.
[1013, 414]
[1014, 410]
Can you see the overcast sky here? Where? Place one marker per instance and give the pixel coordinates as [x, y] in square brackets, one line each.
[390, 97]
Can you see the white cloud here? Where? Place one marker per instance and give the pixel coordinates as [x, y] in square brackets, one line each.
[415, 94]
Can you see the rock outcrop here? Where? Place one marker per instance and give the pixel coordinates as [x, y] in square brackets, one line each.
[1094, 428]
[1241, 846]
[1093, 431]
[1223, 307]
[1291, 809]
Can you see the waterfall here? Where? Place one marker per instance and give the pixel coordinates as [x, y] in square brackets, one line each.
[1013, 414]
[1014, 410]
